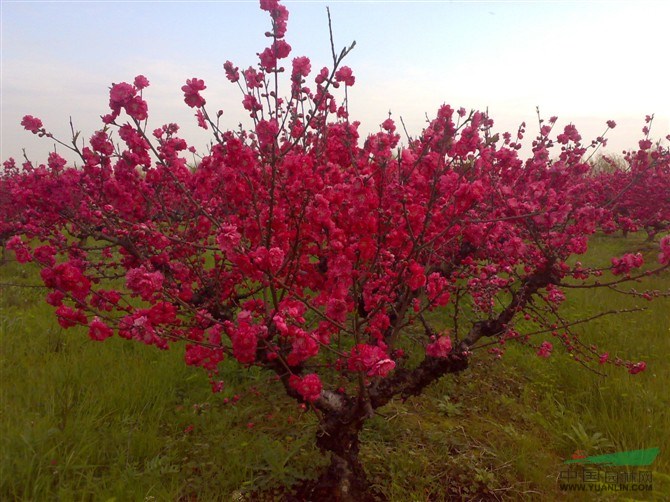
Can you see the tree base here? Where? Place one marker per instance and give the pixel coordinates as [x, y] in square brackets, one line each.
[327, 489]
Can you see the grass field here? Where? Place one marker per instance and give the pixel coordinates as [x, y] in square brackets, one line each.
[82, 420]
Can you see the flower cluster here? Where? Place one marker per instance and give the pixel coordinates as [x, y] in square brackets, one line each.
[440, 347]
[626, 263]
[371, 360]
[332, 261]
[308, 386]
[125, 96]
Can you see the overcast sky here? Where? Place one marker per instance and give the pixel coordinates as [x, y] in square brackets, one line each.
[584, 61]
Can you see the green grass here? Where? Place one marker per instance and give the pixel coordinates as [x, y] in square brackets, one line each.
[81, 420]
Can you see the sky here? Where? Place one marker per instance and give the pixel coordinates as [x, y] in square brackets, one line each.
[583, 61]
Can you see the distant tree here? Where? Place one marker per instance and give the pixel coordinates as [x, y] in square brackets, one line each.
[635, 189]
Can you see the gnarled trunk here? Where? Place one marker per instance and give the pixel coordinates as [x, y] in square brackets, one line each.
[345, 479]
[338, 435]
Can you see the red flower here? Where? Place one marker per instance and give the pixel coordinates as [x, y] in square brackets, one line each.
[309, 386]
[345, 75]
[32, 124]
[68, 317]
[143, 282]
[232, 72]
[371, 360]
[301, 67]
[137, 108]
[20, 249]
[269, 5]
[191, 90]
[141, 82]
[440, 348]
[545, 349]
[98, 330]
[201, 119]
[417, 277]
[119, 95]
[101, 144]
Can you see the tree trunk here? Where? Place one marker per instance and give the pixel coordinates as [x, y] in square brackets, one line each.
[345, 477]
[344, 480]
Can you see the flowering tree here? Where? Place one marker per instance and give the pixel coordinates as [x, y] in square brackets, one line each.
[635, 190]
[354, 273]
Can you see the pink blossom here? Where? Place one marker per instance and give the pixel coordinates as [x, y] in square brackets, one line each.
[626, 263]
[68, 317]
[45, 255]
[204, 357]
[275, 258]
[244, 336]
[555, 295]
[141, 82]
[20, 249]
[162, 313]
[303, 347]
[250, 103]
[68, 278]
[569, 134]
[201, 119]
[301, 67]
[436, 289]
[439, 348]
[308, 386]
[545, 349]
[417, 277]
[388, 125]
[98, 330]
[101, 144]
[105, 300]
[370, 359]
[252, 78]
[280, 323]
[192, 90]
[344, 74]
[336, 309]
[637, 368]
[55, 298]
[120, 94]
[382, 368]
[269, 5]
[611, 124]
[143, 282]
[232, 72]
[228, 238]
[279, 15]
[32, 124]
[322, 76]
[137, 108]
[280, 49]
[267, 131]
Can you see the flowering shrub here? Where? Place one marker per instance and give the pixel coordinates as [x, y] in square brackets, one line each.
[294, 247]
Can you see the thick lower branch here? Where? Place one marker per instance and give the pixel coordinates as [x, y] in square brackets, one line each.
[496, 326]
[406, 383]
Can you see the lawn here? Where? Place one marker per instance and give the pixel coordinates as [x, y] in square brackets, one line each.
[83, 420]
